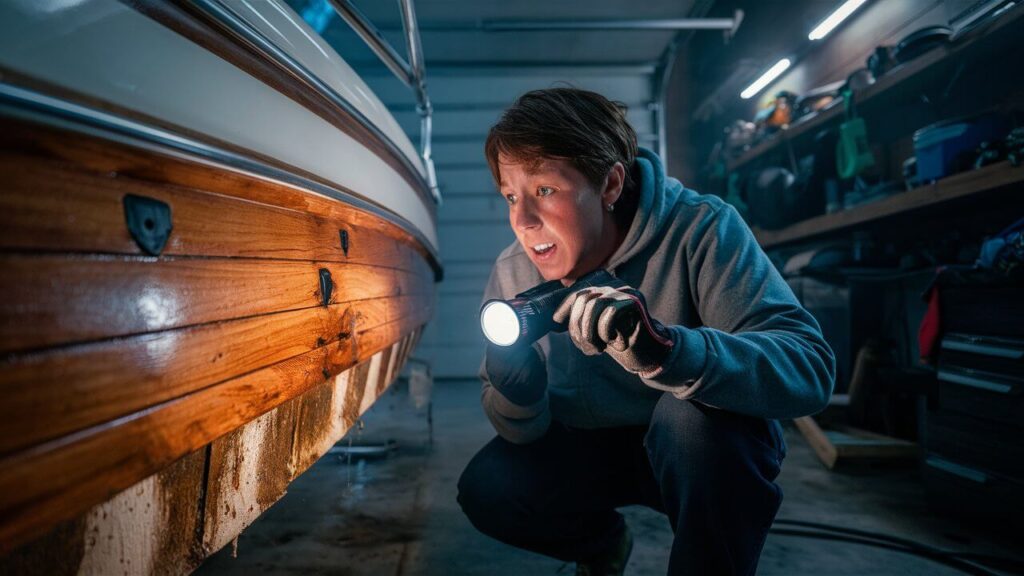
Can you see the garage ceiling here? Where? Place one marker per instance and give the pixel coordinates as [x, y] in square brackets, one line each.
[449, 37]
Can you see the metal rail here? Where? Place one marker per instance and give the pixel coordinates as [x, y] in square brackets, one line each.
[411, 73]
[568, 25]
[494, 25]
[231, 21]
[663, 73]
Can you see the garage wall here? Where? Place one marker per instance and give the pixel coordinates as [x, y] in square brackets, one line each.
[848, 48]
[473, 220]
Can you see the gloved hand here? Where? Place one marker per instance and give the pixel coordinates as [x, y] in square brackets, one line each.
[517, 372]
[616, 321]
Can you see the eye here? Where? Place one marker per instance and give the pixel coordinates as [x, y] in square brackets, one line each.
[511, 198]
[545, 191]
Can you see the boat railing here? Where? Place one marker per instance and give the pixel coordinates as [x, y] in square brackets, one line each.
[412, 73]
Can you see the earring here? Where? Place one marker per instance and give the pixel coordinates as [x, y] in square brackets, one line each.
[610, 207]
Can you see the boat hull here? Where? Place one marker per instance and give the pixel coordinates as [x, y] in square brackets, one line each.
[155, 404]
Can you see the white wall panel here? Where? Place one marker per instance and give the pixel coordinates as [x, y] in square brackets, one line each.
[488, 208]
[462, 181]
[477, 242]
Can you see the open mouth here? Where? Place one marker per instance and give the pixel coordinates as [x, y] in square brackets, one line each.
[543, 251]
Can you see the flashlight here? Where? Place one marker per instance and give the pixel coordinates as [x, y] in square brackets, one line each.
[527, 317]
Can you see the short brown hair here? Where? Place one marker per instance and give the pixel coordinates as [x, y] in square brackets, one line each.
[582, 127]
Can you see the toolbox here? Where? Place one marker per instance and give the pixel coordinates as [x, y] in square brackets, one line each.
[948, 147]
[973, 432]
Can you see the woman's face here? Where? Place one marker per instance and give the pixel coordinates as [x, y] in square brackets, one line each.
[559, 217]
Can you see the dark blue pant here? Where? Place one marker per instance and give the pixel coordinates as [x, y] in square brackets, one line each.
[709, 470]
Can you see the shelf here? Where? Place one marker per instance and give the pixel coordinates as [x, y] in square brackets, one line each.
[960, 185]
[895, 78]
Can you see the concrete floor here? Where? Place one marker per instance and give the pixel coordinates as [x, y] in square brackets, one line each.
[398, 515]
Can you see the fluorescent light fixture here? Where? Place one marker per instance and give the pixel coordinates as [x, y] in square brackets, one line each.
[833, 20]
[766, 78]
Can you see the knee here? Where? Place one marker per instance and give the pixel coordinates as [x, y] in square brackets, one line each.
[482, 489]
[681, 431]
[696, 436]
[472, 489]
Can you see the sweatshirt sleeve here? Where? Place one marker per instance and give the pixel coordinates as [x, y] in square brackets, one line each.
[514, 422]
[758, 352]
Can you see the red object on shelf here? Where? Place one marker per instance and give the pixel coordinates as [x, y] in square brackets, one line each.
[930, 333]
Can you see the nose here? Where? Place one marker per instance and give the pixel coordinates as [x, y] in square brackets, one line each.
[524, 217]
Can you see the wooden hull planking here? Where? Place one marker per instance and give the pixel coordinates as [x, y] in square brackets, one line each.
[154, 406]
[170, 521]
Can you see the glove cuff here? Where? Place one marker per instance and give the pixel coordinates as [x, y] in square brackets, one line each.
[517, 372]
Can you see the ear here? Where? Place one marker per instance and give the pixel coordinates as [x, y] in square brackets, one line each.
[613, 184]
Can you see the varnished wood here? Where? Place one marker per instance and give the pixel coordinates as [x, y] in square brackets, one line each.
[117, 364]
[84, 212]
[250, 467]
[57, 300]
[49, 394]
[53, 149]
[168, 522]
[971, 183]
[56, 481]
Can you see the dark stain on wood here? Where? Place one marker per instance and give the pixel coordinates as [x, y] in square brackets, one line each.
[219, 452]
[354, 393]
[276, 454]
[313, 426]
[58, 553]
[382, 379]
[181, 488]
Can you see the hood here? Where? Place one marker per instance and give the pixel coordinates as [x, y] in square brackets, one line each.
[658, 196]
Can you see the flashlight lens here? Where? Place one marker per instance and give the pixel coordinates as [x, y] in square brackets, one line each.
[500, 324]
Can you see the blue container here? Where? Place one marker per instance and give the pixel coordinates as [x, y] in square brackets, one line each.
[947, 147]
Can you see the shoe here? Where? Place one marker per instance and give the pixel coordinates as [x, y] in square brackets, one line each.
[611, 562]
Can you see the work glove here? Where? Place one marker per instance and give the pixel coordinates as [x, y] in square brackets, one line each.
[616, 321]
[517, 372]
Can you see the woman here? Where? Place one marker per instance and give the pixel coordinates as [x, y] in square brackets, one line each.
[667, 400]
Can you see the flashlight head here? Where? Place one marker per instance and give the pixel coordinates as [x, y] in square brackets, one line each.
[500, 323]
[527, 317]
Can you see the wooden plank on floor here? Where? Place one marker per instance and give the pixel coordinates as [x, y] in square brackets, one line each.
[835, 447]
[820, 443]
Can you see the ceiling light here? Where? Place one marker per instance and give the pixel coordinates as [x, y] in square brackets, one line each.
[826, 26]
[766, 78]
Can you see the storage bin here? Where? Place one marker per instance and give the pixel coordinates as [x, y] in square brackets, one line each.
[948, 147]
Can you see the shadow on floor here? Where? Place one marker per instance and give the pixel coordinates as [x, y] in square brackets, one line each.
[396, 514]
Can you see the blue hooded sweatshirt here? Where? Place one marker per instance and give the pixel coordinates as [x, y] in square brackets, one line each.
[742, 342]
